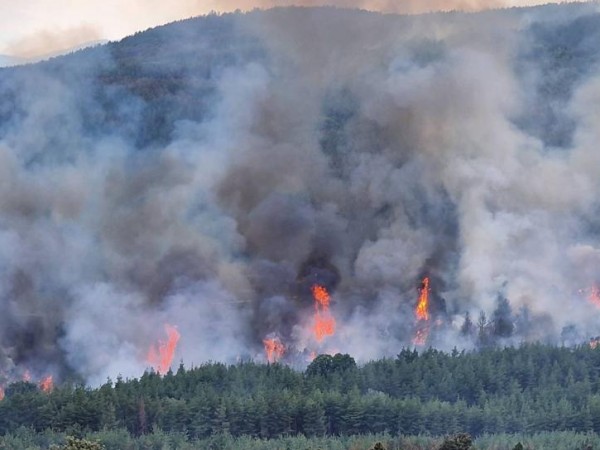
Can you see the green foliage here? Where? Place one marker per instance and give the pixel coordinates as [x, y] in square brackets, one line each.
[531, 389]
[119, 439]
[325, 365]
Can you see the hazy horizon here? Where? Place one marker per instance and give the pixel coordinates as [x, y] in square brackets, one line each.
[44, 28]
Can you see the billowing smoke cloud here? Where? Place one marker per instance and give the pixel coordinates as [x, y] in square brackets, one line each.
[297, 147]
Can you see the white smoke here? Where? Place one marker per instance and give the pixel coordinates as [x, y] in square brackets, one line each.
[357, 150]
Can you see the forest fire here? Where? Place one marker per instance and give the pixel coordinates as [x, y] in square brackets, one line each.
[422, 310]
[46, 384]
[1, 393]
[274, 349]
[594, 295]
[324, 323]
[421, 336]
[160, 357]
[422, 315]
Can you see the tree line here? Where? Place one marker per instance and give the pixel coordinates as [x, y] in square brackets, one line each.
[529, 389]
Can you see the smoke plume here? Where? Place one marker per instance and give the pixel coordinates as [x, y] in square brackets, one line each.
[208, 175]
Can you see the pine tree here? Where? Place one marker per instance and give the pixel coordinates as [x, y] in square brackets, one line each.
[467, 327]
[502, 318]
[313, 419]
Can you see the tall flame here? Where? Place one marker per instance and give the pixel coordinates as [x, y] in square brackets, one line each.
[422, 314]
[324, 323]
[47, 384]
[160, 357]
[1, 393]
[274, 349]
[422, 310]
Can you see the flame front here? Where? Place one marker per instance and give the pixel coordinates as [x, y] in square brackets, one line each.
[274, 349]
[47, 384]
[324, 323]
[160, 357]
[422, 315]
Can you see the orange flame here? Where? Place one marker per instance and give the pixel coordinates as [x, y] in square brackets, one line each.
[594, 296]
[161, 356]
[421, 336]
[1, 393]
[595, 342]
[47, 384]
[321, 295]
[422, 310]
[324, 323]
[274, 349]
[422, 315]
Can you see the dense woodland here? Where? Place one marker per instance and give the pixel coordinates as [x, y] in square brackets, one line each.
[526, 390]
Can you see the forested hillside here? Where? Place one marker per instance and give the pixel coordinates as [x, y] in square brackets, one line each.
[524, 390]
[250, 188]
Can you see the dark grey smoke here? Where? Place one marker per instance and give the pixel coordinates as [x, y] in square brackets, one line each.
[206, 174]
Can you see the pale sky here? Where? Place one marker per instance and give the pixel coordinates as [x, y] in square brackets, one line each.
[33, 28]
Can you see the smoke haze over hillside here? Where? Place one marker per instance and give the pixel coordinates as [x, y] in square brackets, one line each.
[291, 148]
[45, 27]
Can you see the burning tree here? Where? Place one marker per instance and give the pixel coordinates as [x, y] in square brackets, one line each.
[324, 323]
[46, 384]
[274, 349]
[160, 357]
[422, 314]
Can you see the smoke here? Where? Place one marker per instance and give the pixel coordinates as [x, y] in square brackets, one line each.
[44, 27]
[387, 6]
[39, 31]
[47, 43]
[295, 147]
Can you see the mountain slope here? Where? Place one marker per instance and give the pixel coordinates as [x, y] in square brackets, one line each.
[327, 180]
